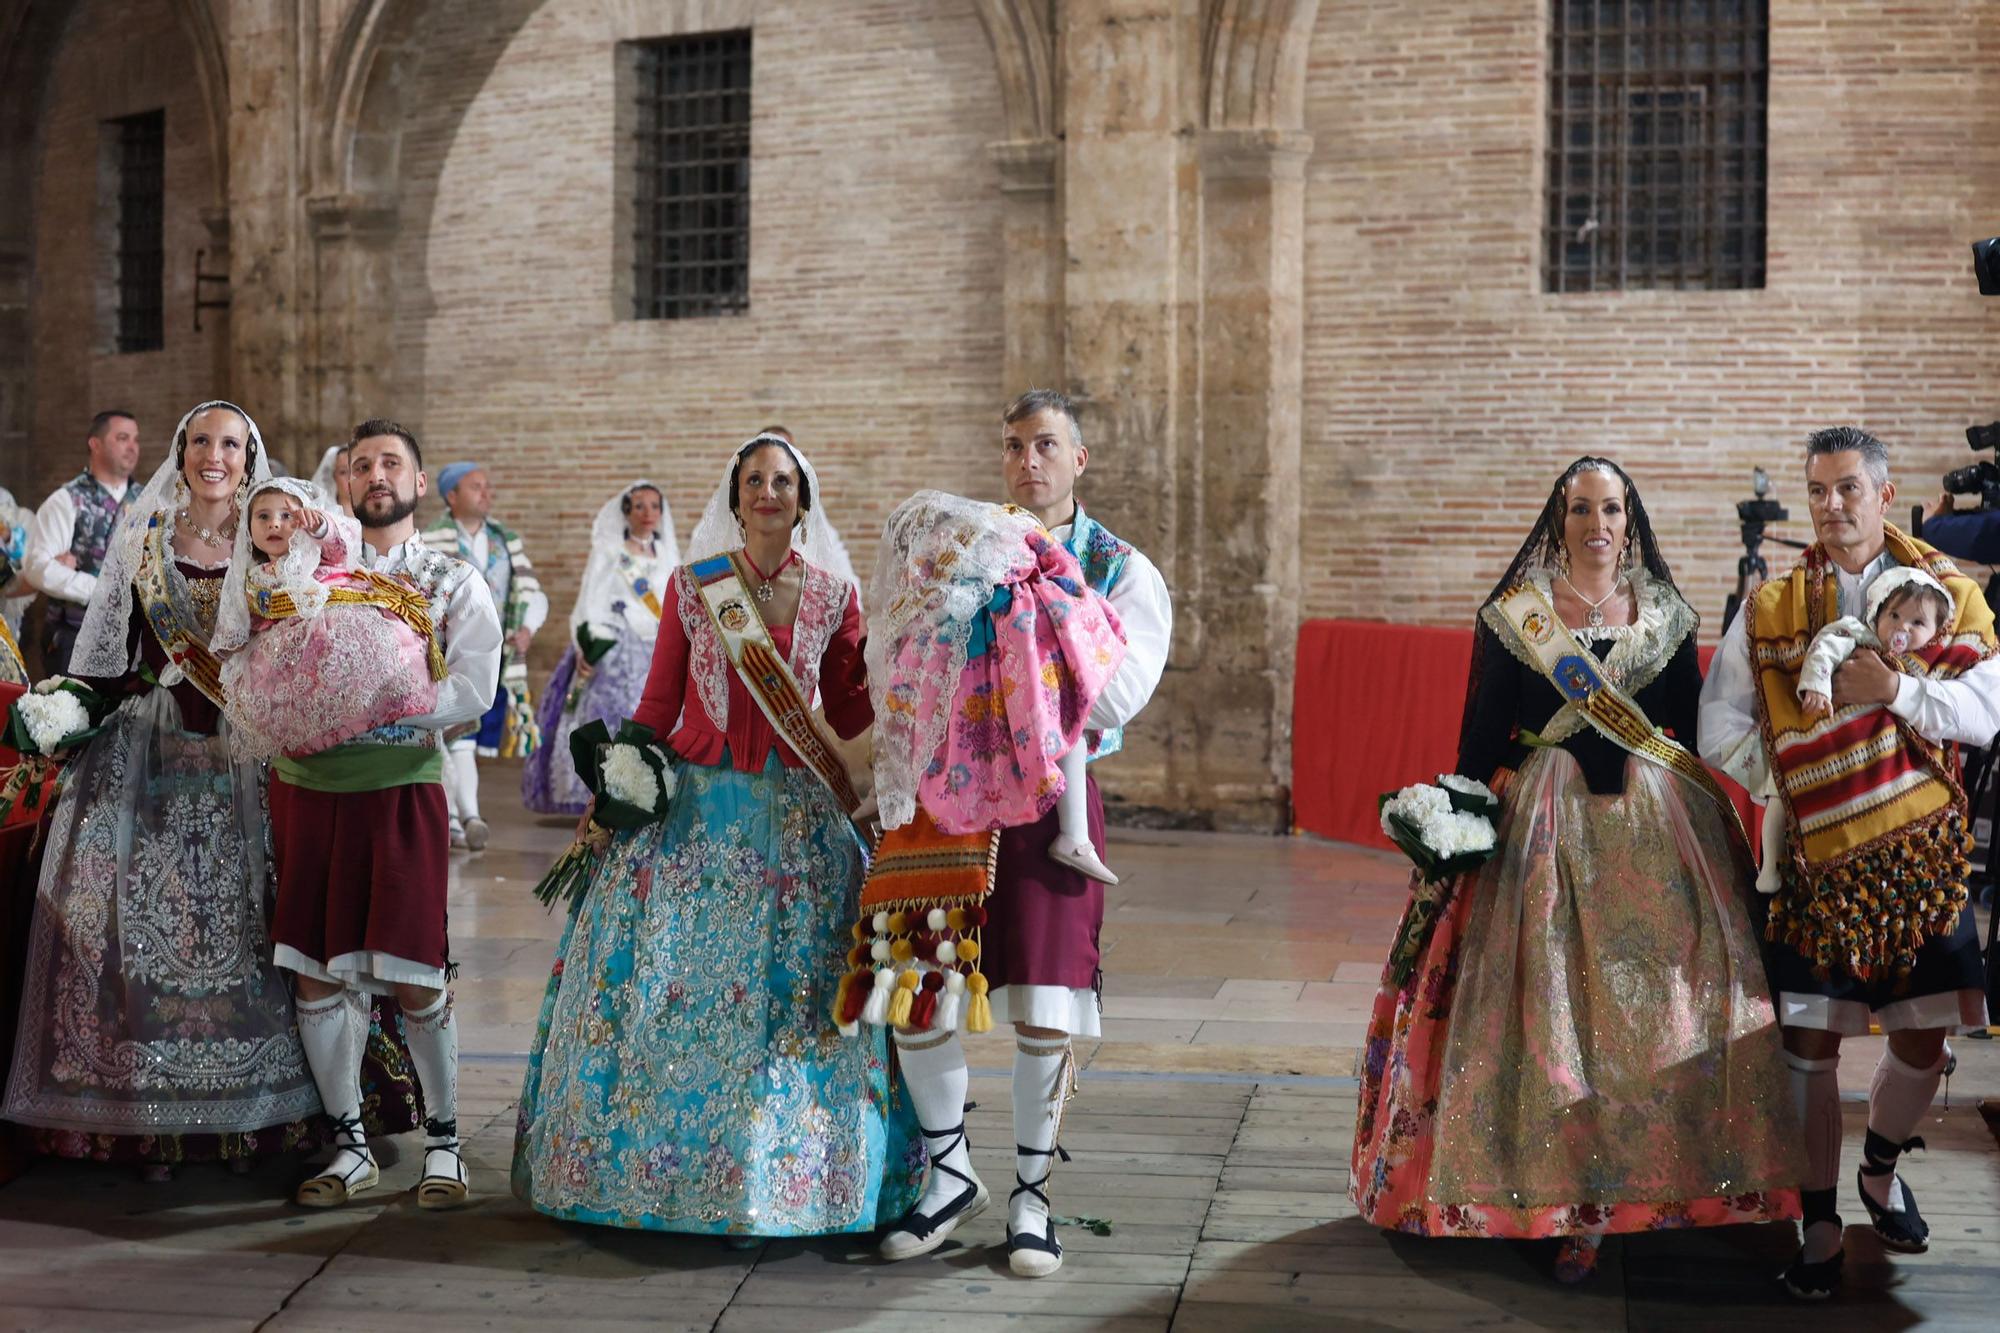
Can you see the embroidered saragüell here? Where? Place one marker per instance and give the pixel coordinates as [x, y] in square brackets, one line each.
[392, 595]
[915, 960]
[1877, 839]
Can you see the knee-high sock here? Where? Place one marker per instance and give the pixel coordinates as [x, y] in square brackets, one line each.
[1816, 1092]
[1897, 1100]
[934, 1072]
[461, 779]
[1073, 806]
[1040, 1085]
[1770, 875]
[433, 1037]
[326, 1032]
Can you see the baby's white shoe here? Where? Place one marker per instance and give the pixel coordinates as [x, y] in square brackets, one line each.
[1080, 856]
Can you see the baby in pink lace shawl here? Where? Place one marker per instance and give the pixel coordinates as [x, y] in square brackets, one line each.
[331, 651]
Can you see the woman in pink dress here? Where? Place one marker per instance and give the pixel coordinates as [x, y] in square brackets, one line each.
[320, 650]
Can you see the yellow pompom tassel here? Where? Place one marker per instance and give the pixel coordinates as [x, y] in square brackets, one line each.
[898, 923]
[979, 1010]
[968, 951]
[906, 995]
[903, 951]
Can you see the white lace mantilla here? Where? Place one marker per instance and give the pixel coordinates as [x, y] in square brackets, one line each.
[1639, 652]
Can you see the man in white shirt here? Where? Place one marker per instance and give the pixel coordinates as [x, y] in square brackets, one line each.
[1039, 949]
[1849, 491]
[66, 542]
[361, 838]
[507, 727]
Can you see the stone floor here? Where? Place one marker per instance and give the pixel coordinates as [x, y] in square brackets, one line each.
[1210, 1141]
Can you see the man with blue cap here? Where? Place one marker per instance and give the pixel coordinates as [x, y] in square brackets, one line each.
[508, 729]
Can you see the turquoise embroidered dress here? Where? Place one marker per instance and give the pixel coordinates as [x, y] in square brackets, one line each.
[686, 1075]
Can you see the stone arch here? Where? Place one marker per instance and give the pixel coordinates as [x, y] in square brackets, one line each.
[211, 72]
[1254, 63]
[1022, 35]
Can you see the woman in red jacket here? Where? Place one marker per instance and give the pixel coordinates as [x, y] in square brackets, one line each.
[686, 1074]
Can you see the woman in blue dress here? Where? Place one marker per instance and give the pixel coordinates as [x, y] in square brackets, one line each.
[686, 1073]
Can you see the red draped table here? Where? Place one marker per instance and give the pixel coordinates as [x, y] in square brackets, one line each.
[1376, 707]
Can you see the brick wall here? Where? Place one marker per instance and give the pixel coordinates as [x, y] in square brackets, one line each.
[874, 330]
[116, 59]
[1445, 390]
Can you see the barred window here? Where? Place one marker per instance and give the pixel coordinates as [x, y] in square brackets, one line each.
[1656, 150]
[140, 145]
[691, 197]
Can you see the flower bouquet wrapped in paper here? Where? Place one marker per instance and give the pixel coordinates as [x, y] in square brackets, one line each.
[56, 716]
[630, 778]
[1445, 829]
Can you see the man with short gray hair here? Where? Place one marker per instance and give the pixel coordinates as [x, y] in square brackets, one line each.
[1869, 921]
[1039, 946]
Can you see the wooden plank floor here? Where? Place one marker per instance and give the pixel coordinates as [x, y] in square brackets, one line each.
[1212, 1134]
[1227, 1204]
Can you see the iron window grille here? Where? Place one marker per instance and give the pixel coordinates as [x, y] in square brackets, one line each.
[691, 252]
[1656, 144]
[142, 176]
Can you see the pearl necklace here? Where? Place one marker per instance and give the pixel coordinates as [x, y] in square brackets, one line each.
[1594, 616]
[226, 537]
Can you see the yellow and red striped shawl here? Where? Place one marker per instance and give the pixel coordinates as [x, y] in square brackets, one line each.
[1876, 818]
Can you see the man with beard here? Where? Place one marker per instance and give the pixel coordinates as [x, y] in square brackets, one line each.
[67, 540]
[362, 841]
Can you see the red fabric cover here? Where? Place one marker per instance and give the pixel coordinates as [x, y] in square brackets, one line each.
[361, 870]
[843, 690]
[1376, 707]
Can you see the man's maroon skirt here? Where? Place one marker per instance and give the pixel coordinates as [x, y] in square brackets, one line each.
[1043, 918]
[361, 881]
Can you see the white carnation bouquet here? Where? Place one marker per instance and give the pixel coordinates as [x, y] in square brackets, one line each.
[1445, 828]
[631, 780]
[58, 715]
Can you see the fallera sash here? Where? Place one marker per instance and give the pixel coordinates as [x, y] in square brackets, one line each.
[392, 595]
[1579, 677]
[747, 641]
[153, 582]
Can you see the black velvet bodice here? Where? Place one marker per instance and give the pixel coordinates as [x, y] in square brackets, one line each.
[1513, 697]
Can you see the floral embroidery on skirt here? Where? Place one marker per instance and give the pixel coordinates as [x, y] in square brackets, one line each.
[685, 1074]
[1587, 1044]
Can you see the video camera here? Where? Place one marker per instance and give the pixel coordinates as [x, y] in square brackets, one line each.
[1982, 478]
[1752, 515]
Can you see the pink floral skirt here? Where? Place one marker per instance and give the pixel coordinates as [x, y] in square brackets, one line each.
[1586, 1044]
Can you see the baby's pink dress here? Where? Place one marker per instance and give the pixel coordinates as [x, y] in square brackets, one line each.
[304, 684]
[1045, 647]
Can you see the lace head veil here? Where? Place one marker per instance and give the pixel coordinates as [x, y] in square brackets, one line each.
[294, 572]
[323, 477]
[814, 538]
[940, 558]
[607, 530]
[1541, 554]
[103, 646]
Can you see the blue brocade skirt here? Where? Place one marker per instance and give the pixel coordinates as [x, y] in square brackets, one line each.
[686, 1074]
